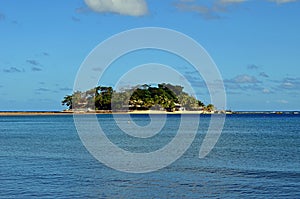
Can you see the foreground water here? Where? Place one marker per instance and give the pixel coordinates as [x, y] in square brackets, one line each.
[257, 156]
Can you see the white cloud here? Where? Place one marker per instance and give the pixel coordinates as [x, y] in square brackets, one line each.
[245, 79]
[244, 83]
[288, 85]
[283, 1]
[283, 101]
[123, 7]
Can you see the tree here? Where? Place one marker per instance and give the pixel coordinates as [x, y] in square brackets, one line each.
[210, 107]
[200, 104]
[103, 96]
[189, 102]
[67, 101]
[141, 97]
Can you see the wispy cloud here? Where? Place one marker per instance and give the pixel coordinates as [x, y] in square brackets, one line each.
[215, 9]
[75, 19]
[14, 22]
[204, 11]
[282, 101]
[45, 54]
[36, 65]
[42, 89]
[2, 16]
[82, 10]
[65, 89]
[290, 84]
[243, 83]
[33, 62]
[123, 7]
[35, 69]
[283, 1]
[244, 79]
[231, 1]
[263, 74]
[266, 91]
[14, 70]
[253, 67]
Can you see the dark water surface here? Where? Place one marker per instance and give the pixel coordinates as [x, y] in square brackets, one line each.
[257, 156]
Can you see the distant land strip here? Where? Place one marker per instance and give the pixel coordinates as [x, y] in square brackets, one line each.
[8, 113]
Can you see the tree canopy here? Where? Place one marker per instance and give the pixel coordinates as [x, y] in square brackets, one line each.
[143, 97]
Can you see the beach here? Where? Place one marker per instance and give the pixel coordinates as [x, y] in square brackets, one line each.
[24, 113]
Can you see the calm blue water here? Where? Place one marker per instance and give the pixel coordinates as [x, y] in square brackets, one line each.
[257, 156]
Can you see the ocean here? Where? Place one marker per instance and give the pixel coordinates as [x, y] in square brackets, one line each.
[256, 156]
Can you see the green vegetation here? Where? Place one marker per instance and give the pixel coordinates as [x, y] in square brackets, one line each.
[144, 97]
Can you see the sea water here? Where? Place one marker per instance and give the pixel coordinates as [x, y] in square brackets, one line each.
[257, 156]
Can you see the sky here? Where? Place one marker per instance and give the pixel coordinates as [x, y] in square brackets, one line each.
[254, 44]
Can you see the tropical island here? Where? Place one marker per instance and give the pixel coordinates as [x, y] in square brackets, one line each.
[162, 97]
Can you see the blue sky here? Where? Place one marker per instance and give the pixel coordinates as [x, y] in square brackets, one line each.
[255, 44]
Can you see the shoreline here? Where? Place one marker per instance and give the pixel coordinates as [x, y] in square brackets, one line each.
[32, 113]
[29, 113]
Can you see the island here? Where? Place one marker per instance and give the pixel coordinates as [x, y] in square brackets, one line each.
[138, 99]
